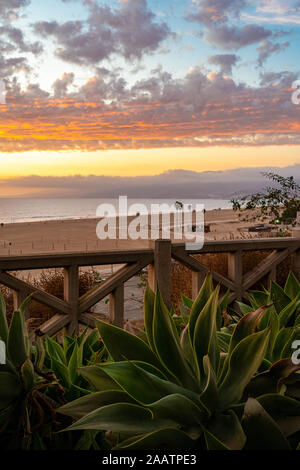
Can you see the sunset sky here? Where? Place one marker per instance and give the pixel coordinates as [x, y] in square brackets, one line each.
[133, 88]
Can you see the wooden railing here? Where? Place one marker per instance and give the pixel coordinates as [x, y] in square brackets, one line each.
[74, 309]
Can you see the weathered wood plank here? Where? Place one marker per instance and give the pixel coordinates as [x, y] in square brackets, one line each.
[116, 306]
[53, 325]
[159, 272]
[195, 265]
[39, 295]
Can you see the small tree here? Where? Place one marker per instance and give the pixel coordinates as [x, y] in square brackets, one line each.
[278, 204]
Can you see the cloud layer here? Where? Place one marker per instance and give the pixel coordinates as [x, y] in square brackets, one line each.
[171, 184]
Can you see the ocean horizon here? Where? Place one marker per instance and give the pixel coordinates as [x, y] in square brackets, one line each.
[15, 210]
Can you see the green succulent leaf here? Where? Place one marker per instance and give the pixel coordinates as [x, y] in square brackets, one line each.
[93, 401]
[205, 334]
[179, 409]
[279, 297]
[98, 379]
[284, 410]
[10, 389]
[149, 300]
[292, 286]
[199, 303]
[3, 320]
[16, 342]
[262, 431]
[168, 348]
[124, 418]
[244, 362]
[227, 429]
[123, 345]
[28, 375]
[143, 386]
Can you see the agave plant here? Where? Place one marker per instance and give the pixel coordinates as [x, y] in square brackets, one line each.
[174, 391]
[25, 409]
[66, 355]
[35, 380]
[279, 309]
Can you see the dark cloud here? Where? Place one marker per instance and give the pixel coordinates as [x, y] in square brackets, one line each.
[131, 31]
[267, 48]
[224, 61]
[17, 41]
[171, 184]
[60, 86]
[11, 7]
[234, 37]
[212, 12]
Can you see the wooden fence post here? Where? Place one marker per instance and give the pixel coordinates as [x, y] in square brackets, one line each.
[296, 255]
[198, 278]
[116, 306]
[71, 295]
[235, 272]
[159, 274]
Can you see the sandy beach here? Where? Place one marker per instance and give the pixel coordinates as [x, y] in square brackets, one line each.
[69, 235]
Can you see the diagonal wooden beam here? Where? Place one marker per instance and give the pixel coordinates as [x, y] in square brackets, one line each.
[53, 325]
[98, 293]
[265, 266]
[40, 296]
[195, 265]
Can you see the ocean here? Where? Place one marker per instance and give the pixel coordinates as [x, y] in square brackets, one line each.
[14, 210]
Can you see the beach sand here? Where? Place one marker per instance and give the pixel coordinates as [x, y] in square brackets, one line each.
[73, 235]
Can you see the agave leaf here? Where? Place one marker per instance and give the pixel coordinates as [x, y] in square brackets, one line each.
[180, 409]
[205, 335]
[149, 299]
[162, 439]
[10, 388]
[168, 348]
[270, 319]
[223, 340]
[223, 304]
[246, 326]
[209, 395]
[189, 352]
[262, 431]
[284, 410]
[25, 304]
[3, 320]
[270, 381]
[292, 286]
[74, 363]
[123, 345]
[143, 386]
[258, 298]
[279, 297]
[62, 372]
[244, 308]
[16, 341]
[54, 349]
[199, 303]
[288, 311]
[187, 302]
[98, 379]
[124, 418]
[282, 343]
[212, 443]
[27, 374]
[40, 353]
[91, 402]
[227, 429]
[90, 340]
[244, 361]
